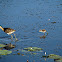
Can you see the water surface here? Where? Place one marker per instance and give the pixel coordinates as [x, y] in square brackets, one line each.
[27, 17]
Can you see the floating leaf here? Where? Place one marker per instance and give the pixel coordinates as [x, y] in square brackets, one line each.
[9, 46]
[5, 52]
[45, 56]
[24, 51]
[1, 45]
[58, 60]
[53, 56]
[34, 53]
[32, 49]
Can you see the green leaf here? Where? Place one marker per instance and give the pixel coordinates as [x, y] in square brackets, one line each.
[58, 60]
[1, 45]
[5, 52]
[53, 56]
[33, 49]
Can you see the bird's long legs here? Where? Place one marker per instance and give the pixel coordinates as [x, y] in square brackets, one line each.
[15, 37]
[11, 38]
[44, 33]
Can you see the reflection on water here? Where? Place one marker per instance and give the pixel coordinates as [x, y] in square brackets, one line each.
[27, 17]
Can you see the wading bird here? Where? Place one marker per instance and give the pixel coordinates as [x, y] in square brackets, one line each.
[8, 31]
[42, 31]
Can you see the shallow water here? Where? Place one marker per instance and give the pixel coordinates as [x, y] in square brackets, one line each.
[27, 17]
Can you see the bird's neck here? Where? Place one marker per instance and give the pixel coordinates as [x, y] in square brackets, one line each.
[2, 28]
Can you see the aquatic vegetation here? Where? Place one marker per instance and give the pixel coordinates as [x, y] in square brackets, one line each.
[18, 53]
[53, 22]
[34, 53]
[56, 58]
[22, 54]
[24, 50]
[5, 52]
[1, 45]
[9, 46]
[53, 56]
[33, 49]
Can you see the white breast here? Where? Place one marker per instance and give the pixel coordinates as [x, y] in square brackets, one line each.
[10, 32]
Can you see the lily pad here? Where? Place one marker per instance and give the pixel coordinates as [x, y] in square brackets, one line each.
[53, 56]
[9, 46]
[33, 49]
[5, 52]
[1, 45]
[24, 51]
[58, 60]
